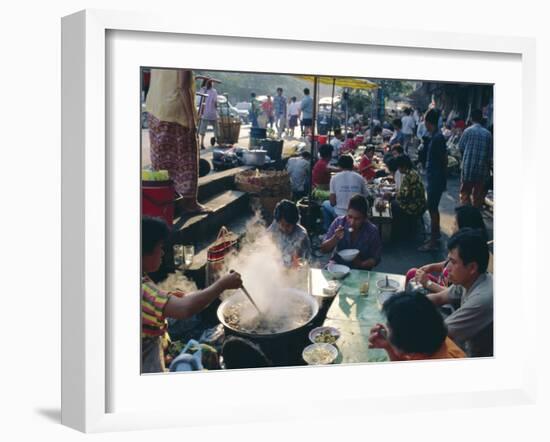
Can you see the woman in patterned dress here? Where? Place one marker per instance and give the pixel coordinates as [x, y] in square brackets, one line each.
[410, 200]
[172, 119]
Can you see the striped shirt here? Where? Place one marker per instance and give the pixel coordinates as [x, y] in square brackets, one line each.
[153, 302]
[476, 145]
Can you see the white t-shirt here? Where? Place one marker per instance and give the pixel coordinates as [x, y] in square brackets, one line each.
[294, 108]
[344, 185]
[408, 125]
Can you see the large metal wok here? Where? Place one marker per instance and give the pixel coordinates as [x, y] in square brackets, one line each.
[293, 321]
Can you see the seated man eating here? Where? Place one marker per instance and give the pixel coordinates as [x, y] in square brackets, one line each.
[471, 325]
[354, 231]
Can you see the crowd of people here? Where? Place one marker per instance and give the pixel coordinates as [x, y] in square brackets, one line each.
[452, 317]
[282, 114]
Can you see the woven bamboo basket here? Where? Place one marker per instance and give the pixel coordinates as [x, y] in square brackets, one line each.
[267, 188]
[266, 183]
[228, 130]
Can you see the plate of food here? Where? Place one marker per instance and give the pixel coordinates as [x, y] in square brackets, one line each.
[320, 354]
[324, 335]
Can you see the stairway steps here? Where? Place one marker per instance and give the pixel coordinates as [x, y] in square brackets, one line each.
[225, 206]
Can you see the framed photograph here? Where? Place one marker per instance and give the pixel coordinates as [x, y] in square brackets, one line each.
[105, 56]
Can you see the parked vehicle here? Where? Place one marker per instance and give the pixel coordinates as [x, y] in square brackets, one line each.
[243, 108]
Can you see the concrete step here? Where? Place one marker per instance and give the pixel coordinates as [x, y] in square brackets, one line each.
[226, 206]
[218, 182]
[213, 184]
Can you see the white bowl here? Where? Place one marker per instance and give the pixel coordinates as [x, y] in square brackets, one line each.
[317, 333]
[320, 354]
[348, 255]
[389, 285]
[337, 271]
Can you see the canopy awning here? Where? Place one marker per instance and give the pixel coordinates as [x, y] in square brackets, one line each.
[354, 83]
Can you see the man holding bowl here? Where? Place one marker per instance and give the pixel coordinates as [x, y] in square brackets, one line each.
[354, 231]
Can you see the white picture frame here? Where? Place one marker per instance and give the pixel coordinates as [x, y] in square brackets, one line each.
[87, 232]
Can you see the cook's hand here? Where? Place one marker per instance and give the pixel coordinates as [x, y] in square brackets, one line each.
[231, 281]
[339, 233]
[378, 337]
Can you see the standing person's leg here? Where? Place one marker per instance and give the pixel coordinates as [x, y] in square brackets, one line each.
[478, 194]
[434, 196]
[282, 124]
[253, 120]
[216, 130]
[307, 127]
[202, 131]
[186, 169]
[466, 192]
[278, 125]
[175, 149]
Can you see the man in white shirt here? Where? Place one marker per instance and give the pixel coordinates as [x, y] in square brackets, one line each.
[342, 187]
[407, 123]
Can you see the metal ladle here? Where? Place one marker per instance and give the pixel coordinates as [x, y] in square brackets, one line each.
[245, 291]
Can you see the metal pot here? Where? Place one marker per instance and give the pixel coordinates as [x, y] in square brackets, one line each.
[298, 295]
[254, 157]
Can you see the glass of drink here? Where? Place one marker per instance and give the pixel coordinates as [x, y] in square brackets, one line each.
[188, 254]
[365, 286]
[178, 255]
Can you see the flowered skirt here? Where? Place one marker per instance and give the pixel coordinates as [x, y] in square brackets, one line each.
[175, 148]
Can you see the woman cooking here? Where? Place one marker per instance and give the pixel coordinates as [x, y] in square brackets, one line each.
[157, 304]
[354, 231]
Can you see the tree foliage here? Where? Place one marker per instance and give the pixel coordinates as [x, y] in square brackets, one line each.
[239, 85]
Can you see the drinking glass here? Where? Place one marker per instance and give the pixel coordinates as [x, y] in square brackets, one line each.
[188, 254]
[178, 255]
